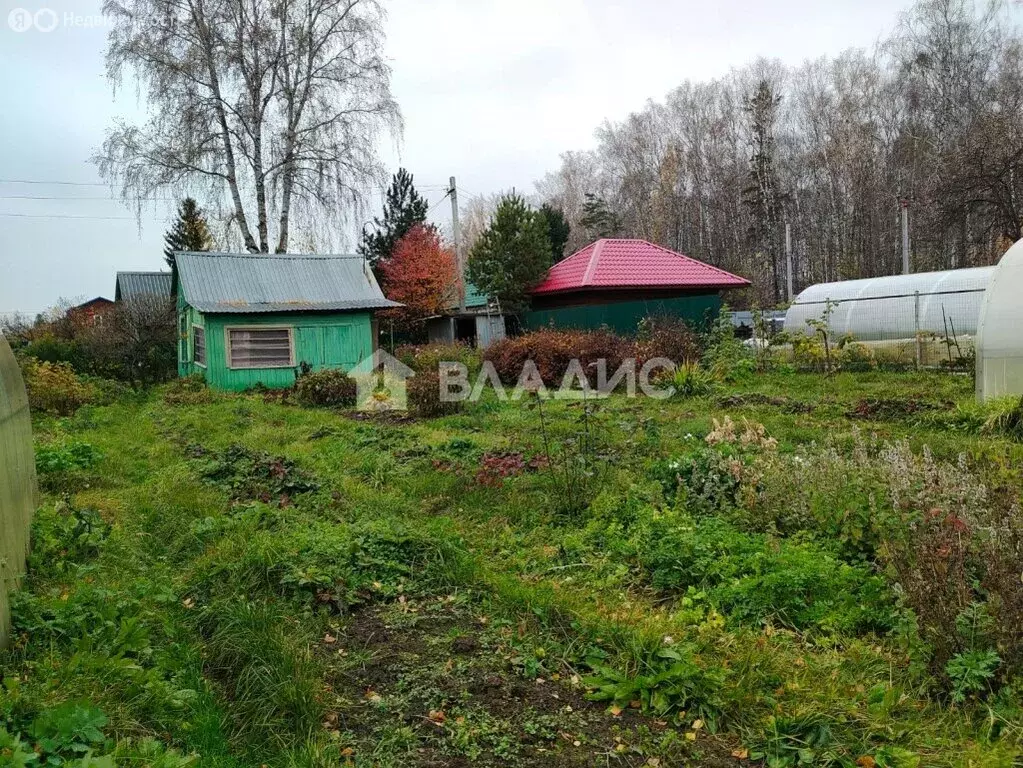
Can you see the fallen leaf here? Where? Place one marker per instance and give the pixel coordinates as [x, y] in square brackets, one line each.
[697, 724]
[437, 716]
[329, 639]
[347, 752]
[740, 754]
[866, 762]
[615, 710]
[691, 736]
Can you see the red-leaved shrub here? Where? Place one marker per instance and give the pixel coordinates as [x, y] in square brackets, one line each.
[552, 351]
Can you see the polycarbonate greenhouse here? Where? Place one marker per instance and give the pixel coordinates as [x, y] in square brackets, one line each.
[999, 342]
[895, 307]
[17, 479]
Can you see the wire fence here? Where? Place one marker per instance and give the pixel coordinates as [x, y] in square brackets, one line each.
[17, 481]
[919, 329]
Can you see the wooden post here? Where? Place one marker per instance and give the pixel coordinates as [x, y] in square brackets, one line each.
[919, 340]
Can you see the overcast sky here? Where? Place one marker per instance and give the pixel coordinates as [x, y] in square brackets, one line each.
[491, 91]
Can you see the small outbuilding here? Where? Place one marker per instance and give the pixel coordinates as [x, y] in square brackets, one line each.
[248, 319]
[136, 285]
[617, 283]
[480, 324]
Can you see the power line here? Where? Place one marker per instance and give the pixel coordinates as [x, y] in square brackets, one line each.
[438, 202]
[71, 216]
[55, 183]
[72, 197]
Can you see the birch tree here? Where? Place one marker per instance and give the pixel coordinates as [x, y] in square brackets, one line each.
[268, 109]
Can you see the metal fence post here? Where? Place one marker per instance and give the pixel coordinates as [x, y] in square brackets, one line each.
[919, 342]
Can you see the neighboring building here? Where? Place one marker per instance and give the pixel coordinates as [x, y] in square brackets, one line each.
[91, 312]
[617, 283]
[481, 324]
[248, 319]
[133, 285]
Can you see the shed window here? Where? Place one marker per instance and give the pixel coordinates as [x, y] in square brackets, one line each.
[199, 345]
[260, 348]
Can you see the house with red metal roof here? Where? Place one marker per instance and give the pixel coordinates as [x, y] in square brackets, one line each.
[617, 283]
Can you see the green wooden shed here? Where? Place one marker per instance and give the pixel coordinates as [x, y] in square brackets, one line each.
[248, 319]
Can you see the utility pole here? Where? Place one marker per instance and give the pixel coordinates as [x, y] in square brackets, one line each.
[905, 236]
[453, 191]
[788, 258]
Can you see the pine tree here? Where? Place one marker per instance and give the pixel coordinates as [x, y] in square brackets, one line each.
[558, 229]
[403, 209]
[189, 233]
[512, 255]
[762, 195]
[598, 219]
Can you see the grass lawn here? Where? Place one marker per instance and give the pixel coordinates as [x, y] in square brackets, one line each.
[238, 581]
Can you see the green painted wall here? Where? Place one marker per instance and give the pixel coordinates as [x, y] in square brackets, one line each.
[321, 339]
[623, 317]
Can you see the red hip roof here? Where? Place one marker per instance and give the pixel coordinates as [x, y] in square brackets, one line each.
[636, 264]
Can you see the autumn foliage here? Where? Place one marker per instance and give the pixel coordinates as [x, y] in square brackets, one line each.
[421, 274]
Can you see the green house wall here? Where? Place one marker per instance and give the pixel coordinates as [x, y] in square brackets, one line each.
[321, 339]
[623, 317]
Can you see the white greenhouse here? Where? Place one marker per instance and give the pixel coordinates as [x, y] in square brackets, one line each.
[896, 307]
[999, 341]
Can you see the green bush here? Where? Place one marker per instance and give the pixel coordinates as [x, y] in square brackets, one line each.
[689, 379]
[331, 388]
[65, 465]
[55, 388]
[428, 357]
[753, 578]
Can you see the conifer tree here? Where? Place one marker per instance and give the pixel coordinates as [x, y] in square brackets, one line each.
[512, 255]
[558, 230]
[403, 209]
[189, 233]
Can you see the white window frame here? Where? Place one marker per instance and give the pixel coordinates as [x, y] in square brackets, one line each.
[227, 345]
[205, 346]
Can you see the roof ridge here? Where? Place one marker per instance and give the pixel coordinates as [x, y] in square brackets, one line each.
[591, 268]
[286, 256]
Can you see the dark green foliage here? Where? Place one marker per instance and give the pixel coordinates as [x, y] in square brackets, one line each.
[254, 475]
[512, 255]
[66, 536]
[190, 232]
[68, 730]
[703, 481]
[599, 220]
[331, 387]
[403, 209]
[65, 465]
[558, 230]
[752, 578]
[673, 682]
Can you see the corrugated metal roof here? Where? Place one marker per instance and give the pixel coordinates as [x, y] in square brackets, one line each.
[238, 282]
[130, 285]
[614, 264]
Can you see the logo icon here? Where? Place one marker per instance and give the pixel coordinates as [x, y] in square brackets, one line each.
[380, 382]
[46, 20]
[19, 20]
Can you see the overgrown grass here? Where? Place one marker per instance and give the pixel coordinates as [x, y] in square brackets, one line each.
[185, 595]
